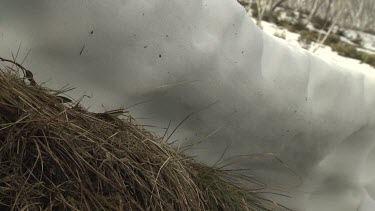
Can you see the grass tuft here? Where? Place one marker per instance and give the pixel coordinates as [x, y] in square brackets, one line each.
[55, 155]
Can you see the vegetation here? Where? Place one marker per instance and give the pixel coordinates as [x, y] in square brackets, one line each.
[313, 36]
[367, 58]
[320, 23]
[323, 20]
[55, 155]
[346, 50]
[342, 48]
[352, 14]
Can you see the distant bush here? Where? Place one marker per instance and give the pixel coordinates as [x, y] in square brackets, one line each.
[272, 17]
[320, 23]
[367, 58]
[346, 50]
[304, 13]
[292, 14]
[340, 32]
[351, 51]
[293, 27]
[299, 26]
[306, 37]
[283, 23]
[332, 39]
[254, 10]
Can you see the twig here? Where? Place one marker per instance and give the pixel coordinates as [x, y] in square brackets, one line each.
[27, 73]
[24, 59]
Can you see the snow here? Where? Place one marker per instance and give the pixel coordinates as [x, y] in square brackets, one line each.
[368, 40]
[290, 37]
[244, 88]
[365, 50]
[325, 52]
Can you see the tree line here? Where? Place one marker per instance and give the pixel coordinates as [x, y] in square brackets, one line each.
[353, 14]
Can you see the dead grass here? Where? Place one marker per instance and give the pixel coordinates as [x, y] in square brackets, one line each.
[58, 156]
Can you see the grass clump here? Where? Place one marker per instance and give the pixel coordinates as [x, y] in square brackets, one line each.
[346, 50]
[307, 37]
[350, 51]
[367, 58]
[55, 155]
[297, 27]
[332, 39]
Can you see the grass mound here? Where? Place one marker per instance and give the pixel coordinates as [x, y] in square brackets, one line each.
[55, 155]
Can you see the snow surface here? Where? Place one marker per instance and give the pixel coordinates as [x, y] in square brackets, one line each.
[325, 52]
[246, 90]
[368, 40]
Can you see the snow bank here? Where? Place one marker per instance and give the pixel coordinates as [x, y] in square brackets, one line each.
[244, 89]
[368, 40]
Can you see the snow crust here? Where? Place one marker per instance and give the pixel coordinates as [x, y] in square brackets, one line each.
[247, 92]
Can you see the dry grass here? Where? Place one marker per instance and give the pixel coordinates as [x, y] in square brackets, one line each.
[58, 156]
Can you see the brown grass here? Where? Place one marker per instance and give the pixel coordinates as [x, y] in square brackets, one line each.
[59, 156]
